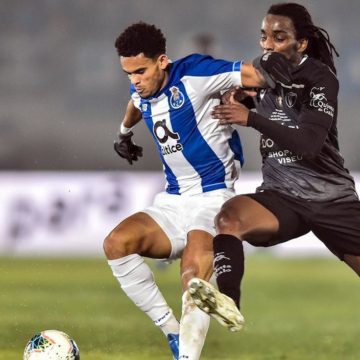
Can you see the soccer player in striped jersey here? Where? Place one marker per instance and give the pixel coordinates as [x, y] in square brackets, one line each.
[199, 158]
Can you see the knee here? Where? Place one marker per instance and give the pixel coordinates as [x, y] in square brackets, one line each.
[222, 220]
[227, 221]
[117, 245]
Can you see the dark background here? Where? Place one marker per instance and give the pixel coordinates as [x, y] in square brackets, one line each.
[63, 92]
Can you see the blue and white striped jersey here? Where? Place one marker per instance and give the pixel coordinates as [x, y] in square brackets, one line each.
[197, 152]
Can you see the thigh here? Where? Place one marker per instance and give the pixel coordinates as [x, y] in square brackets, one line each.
[266, 218]
[200, 210]
[337, 225]
[167, 212]
[138, 234]
[353, 261]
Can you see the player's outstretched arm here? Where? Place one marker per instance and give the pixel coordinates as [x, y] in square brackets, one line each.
[267, 70]
[251, 77]
[124, 146]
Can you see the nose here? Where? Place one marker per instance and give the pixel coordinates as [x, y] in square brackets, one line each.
[134, 79]
[268, 44]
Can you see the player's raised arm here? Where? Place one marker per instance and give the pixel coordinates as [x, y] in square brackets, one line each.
[124, 146]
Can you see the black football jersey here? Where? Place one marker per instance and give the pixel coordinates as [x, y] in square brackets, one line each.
[311, 99]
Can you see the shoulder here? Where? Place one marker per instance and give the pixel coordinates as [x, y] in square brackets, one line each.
[203, 65]
[316, 73]
[190, 62]
[321, 90]
[193, 59]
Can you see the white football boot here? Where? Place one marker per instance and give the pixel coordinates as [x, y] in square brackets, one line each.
[219, 306]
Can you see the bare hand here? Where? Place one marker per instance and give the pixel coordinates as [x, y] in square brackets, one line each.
[232, 112]
[239, 95]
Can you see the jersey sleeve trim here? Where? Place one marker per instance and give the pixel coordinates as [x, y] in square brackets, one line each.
[237, 71]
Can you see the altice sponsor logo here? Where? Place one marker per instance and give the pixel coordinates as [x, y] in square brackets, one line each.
[170, 149]
[163, 133]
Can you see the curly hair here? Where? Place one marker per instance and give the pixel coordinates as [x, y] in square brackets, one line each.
[319, 44]
[141, 38]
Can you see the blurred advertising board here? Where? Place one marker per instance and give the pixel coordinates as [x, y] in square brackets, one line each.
[70, 213]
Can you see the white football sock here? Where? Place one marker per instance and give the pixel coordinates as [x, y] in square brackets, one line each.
[194, 325]
[171, 326]
[137, 281]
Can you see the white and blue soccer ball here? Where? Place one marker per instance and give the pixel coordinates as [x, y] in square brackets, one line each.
[51, 345]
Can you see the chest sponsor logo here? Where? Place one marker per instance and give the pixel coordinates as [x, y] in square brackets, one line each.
[177, 98]
[319, 101]
[163, 133]
[283, 157]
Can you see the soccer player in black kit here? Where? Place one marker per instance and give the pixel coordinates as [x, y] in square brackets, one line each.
[305, 184]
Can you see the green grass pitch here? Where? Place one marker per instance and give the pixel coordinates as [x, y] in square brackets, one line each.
[295, 309]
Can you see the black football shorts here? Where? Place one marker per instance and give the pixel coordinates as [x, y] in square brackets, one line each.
[335, 223]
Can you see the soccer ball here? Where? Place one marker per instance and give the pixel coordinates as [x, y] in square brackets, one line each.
[51, 345]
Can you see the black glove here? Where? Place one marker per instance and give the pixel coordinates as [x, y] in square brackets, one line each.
[275, 68]
[127, 149]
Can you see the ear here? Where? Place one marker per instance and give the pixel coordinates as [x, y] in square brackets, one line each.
[302, 45]
[163, 61]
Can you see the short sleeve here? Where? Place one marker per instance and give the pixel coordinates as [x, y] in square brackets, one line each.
[213, 75]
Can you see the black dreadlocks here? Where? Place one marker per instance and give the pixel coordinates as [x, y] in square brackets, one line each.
[319, 46]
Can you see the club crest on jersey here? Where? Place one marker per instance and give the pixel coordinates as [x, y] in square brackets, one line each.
[290, 99]
[177, 98]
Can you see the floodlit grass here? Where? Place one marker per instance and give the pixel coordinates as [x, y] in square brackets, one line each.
[295, 309]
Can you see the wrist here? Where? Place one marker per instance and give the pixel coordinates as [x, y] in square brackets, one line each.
[124, 130]
[251, 119]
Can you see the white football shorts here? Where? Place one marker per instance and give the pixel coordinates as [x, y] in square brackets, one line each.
[177, 215]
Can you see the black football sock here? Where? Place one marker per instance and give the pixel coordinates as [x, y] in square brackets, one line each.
[229, 265]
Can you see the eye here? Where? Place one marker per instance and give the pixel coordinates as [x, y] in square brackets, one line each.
[280, 38]
[140, 71]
